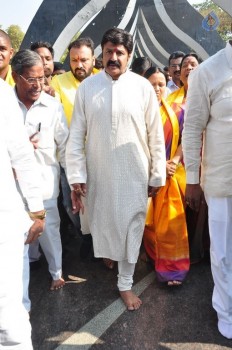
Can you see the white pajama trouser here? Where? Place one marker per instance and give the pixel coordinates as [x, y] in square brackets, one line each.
[84, 219]
[50, 240]
[220, 229]
[26, 277]
[125, 275]
[15, 328]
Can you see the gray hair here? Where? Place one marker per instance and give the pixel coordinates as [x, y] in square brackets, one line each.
[25, 59]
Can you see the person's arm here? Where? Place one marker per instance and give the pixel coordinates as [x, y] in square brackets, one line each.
[61, 134]
[75, 152]
[24, 164]
[156, 145]
[196, 118]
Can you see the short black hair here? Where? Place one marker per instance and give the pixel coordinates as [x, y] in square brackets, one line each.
[140, 65]
[38, 44]
[82, 42]
[118, 36]
[174, 55]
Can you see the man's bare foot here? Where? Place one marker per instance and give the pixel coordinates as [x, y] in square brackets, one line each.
[131, 300]
[174, 283]
[109, 263]
[57, 284]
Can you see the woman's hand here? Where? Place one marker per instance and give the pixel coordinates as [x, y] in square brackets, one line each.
[170, 168]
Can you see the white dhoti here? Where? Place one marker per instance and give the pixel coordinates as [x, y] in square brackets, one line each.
[15, 328]
[220, 229]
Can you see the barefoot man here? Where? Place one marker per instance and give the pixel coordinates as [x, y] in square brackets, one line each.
[115, 152]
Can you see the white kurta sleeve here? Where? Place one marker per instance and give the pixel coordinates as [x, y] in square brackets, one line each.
[22, 156]
[155, 142]
[75, 150]
[61, 135]
[195, 120]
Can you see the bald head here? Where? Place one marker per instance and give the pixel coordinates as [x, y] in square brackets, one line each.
[5, 36]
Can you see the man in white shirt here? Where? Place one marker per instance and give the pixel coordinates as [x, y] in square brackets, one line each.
[174, 62]
[47, 129]
[115, 150]
[15, 152]
[209, 113]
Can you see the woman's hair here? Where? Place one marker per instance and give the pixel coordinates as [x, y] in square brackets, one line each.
[153, 70]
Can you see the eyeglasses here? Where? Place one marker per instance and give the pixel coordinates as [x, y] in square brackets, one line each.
[32, 81]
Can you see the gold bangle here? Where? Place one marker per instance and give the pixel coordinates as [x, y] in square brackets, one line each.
[41, 216]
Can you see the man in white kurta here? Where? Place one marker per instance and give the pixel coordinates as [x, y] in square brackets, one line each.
[116, 112]
[44, 118]
[16, 152]
[209, 110]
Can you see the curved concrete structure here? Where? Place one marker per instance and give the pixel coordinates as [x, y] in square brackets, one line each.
[159, 27]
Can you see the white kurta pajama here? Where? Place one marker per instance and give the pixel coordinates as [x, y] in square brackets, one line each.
[209, 109]
[116, 146]
[51, 150]
[16, 152]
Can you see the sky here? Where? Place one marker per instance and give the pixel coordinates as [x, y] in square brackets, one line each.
[21, 12]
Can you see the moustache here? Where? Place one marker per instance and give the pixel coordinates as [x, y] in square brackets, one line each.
[113, 63]
[79, 69]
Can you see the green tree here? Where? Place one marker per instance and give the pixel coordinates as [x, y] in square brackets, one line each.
[16, 36]
[224, 28]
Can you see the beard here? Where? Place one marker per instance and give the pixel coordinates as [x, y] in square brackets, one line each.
[80, 73]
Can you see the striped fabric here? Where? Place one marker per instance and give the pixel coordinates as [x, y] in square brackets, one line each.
[165, 235]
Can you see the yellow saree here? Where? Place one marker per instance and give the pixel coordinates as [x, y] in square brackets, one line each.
[165, 235]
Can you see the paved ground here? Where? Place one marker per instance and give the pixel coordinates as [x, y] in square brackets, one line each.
[90, 314]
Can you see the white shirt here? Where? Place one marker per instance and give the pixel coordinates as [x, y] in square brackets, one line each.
[172, 86]
[15, 152]
[47, 112]
[209, 109]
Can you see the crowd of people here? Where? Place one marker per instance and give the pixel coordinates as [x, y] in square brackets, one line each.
[135, 159]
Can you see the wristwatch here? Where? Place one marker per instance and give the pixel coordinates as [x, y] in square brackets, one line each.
[41, 216]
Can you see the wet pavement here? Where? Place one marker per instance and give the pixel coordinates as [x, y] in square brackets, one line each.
[90, 314]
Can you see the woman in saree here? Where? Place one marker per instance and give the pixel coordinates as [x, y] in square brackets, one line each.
[165, 234]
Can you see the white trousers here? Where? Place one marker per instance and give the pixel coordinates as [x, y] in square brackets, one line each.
[220, 229]
[15, 328]
[84, 219]
[26, 277]
[125, 275]
[50, 241]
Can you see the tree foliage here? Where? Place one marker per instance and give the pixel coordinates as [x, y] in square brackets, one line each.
[16, 36]
[224, 28]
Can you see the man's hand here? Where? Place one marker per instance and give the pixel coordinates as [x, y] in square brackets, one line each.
[78, 191]
[34, 139]
[152, 191]
[35, 230]
[193, 196]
